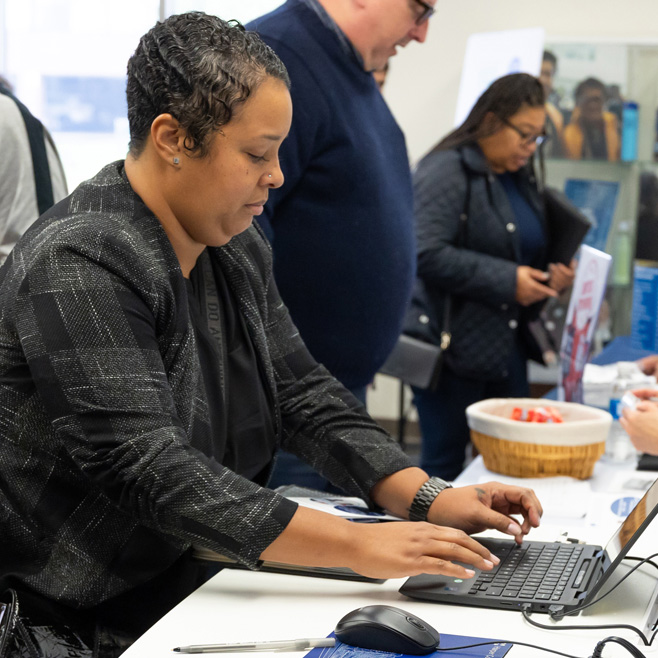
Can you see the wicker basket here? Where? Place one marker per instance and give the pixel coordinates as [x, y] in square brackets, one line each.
[522, 449]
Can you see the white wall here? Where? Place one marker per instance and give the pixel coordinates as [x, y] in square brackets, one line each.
[423, 83]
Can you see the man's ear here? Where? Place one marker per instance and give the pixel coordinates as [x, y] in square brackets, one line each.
[168, 138]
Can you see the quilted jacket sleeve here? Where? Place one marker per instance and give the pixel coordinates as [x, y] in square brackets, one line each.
[440, 191]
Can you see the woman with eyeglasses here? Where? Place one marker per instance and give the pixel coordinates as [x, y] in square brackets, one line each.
[491, 263]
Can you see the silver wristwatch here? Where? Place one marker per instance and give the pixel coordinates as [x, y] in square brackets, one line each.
[426, 495]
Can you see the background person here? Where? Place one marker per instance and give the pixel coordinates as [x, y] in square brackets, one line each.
[149, 370]
[31, 173]
[497, 278]
[641, 423]
[554, 120]
[380, 76]
[592, 133]
[342, 223]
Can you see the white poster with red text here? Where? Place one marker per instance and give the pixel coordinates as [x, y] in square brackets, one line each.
[582, 316]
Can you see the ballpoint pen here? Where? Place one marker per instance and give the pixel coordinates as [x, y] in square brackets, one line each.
[275, 645]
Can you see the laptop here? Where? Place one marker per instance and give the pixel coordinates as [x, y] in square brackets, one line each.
[548, 576]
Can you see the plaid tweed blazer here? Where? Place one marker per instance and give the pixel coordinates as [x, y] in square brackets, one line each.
[105, 478]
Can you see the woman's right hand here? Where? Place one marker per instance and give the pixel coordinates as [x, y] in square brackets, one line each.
[398, 549]
[393, 549]
[530, 286]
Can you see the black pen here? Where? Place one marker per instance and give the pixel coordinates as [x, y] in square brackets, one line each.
[275, 645]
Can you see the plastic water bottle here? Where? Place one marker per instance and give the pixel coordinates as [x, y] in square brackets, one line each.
[629, 130]
[618, 446]
[623, 254]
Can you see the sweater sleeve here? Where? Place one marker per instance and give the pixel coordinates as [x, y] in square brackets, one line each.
[95, 348]
[440, 189]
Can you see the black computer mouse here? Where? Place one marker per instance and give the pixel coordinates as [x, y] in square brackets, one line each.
[385, 628]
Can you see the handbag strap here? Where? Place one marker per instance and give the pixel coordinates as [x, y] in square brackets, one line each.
[446, 336]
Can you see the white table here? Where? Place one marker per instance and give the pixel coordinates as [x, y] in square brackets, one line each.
[241, 606]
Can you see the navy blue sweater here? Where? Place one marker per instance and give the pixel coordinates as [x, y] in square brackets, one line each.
[342, 224]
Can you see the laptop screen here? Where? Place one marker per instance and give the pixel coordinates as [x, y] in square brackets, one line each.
[628, 533]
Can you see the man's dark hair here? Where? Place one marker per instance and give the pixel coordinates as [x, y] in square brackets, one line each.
[590, 83]
[198, 68]
[504, 98]
[548, 56]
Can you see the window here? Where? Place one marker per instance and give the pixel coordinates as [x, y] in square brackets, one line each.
[66, 60]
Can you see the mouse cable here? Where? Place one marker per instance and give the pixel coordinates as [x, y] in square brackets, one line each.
[597, 653]
[633, 650]
[521, 644]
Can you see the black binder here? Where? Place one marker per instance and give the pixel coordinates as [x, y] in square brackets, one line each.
[567, 226]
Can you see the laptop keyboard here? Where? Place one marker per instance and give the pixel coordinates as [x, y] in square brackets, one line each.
[531, 571]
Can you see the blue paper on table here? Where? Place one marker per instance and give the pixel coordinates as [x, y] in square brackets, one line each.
[492, 650]
[597, 199]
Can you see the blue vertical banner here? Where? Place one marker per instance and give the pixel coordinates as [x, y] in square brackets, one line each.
[644, 323]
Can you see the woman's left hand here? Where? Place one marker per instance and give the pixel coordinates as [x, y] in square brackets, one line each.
[483, 506]
[561, 276]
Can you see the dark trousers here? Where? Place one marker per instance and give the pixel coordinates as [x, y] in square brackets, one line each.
[289, 469]
[442, 414]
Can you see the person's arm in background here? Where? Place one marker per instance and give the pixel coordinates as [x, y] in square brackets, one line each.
[649, 364]
[440, 193]
[641, 423]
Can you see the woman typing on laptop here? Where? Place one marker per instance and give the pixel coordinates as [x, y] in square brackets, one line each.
[149, 372]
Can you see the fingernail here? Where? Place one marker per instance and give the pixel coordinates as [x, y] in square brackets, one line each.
[495, 559]
[514, 529]
[489, 564]
[469, 573]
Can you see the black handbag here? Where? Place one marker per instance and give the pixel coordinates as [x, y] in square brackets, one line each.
[19, 638]
[416, 361]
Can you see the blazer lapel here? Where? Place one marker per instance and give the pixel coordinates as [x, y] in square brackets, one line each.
[240, 264]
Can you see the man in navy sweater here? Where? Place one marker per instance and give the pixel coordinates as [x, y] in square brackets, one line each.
[341, 226]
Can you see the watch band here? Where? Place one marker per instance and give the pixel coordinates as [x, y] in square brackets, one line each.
[426, 495]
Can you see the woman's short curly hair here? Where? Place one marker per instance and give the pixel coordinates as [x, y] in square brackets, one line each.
[199, 69]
